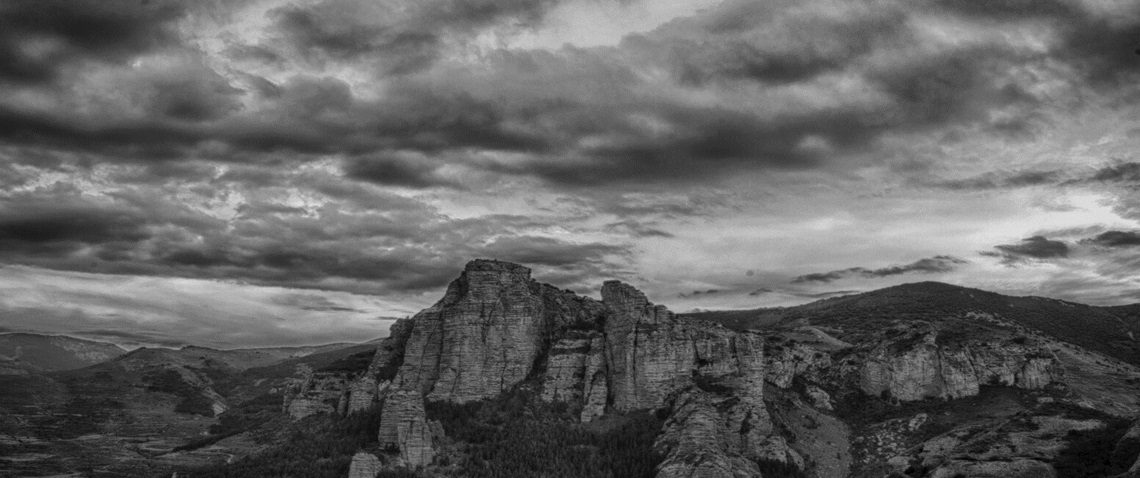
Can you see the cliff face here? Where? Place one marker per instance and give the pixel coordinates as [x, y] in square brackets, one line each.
[404, 428]
[496, 329]
[928, 370]
[483, 337]
[576, 373]
[651, 353]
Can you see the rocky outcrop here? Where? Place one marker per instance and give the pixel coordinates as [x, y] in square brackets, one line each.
[362, 394]
[788, 360]
[364, 465]
[310, 393]
[928, 370]
[694, 445]
[367, 389]
[651, 354]
[404, 428]
[575, 373]
[718, 435]
[484, 336]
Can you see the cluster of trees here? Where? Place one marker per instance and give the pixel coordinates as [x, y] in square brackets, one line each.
[516, 435]
[170, 381]
[353, 364]
[316, 447]
[1097, 452]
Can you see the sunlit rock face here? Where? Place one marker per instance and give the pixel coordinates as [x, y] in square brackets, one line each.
[651, 353]
[929, 370]
[576, 372]
[483, 337]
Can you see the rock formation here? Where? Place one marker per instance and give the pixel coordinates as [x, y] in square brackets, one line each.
[310, 393]
[928, 370]
[496, 329]
[364, 465]
[404, 428]
[695, 445]
[484, 335]
[650, 353]
[575, 373]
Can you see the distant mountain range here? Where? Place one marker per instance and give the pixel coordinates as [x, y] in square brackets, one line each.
[22, 353]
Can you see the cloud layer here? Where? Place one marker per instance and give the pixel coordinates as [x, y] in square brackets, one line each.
[351, 146]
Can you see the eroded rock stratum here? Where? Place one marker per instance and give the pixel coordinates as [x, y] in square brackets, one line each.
[846, 398]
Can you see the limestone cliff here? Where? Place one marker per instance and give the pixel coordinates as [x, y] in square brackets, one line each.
[576, 373]
[695, 445]
[928, 370]
[370, 387]
[650, 353]
[404, 428]
[498, 330]
[484, 336]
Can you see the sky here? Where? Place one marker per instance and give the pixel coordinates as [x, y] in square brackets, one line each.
[273, 172]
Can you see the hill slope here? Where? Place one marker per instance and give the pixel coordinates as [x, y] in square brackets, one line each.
[22, 353]
[1109, 330]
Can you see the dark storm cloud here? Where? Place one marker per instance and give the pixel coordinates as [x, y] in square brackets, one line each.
[548, 251]
[396, 170]
[1113, 173]
[808, 46]
[637, 229]
[39, 37]
[578, 117]
[44, 228]
[402, 42]
[927, 265]
[366, 241]
[1115, 239]
[1100, 47]
[995, 180]
[1035, 247]
[312, 302]
[1120, 172]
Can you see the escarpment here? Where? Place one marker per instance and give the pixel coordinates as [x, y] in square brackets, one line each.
[928, 370]
[484, 336]
[496, 328]
[838, 386]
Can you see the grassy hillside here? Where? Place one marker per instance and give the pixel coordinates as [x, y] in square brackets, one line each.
[1109, 330]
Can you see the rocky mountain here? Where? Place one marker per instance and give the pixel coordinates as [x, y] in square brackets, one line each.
[506, 376]
[918, 380]
[22, 353]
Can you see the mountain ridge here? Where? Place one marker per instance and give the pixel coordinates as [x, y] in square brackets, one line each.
[506, 376]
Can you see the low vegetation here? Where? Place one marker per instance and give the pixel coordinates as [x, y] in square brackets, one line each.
[192, 401]
[316, 447]
[1095, 453]
[516, 435]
